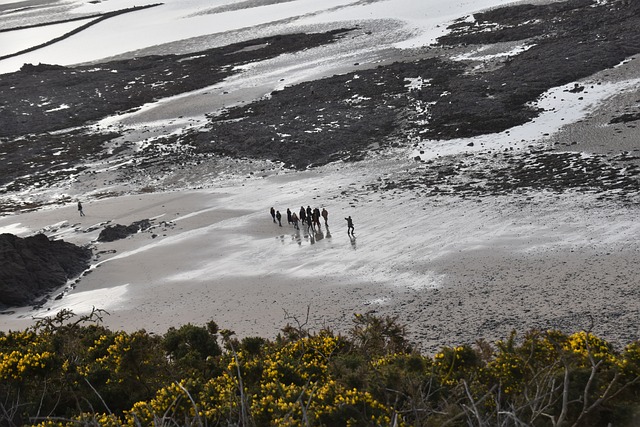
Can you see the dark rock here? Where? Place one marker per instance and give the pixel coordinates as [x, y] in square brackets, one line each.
[77, 86]
[30, 68]
[576, 88]
[32, 266]
[624, 118]
[570, 40]
[116, 232]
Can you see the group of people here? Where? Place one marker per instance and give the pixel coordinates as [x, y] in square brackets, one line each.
[309, 217]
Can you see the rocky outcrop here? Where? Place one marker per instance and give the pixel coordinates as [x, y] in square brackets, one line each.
[30, 267]
[118, 231]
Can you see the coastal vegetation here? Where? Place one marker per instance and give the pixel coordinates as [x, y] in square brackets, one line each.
[70, 370]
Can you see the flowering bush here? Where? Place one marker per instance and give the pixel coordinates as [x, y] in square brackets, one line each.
[80, 374]
[23, 355]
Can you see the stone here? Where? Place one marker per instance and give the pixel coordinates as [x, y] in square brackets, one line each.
[31, 267]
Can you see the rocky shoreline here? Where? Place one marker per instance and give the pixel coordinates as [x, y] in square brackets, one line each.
[343, 117]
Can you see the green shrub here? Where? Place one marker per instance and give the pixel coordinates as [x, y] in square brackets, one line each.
[73, 371]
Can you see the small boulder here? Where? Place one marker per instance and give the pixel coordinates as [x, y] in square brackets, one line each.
[116, 232]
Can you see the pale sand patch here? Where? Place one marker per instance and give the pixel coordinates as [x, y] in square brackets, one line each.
[595, 133]
[15, 228]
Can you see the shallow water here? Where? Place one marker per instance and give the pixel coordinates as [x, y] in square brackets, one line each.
[129, 32]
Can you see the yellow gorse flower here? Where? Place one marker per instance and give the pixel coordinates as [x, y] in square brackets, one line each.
[23, 354]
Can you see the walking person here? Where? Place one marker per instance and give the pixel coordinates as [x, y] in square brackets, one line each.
[316, 217]
[288, 216]
[294, 220]
[279, 217]
[303, 215]
[273, 214]
[80, 209]
[310, 224]
[350, 228]
[325, 215]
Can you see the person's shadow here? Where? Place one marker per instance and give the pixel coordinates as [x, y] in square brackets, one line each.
[353, 241]
[328, 233]
[297, 237]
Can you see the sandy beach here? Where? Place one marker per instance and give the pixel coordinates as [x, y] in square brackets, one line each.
[453, 270]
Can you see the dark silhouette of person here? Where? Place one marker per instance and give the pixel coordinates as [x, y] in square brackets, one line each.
[288, 216]
[309, 212]
[303, 215]
[294, 220]
[350, 228]
[279, 217]
[325, 215]
[310, 224]
[80, 209]
[273, 214]
[316, 217]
